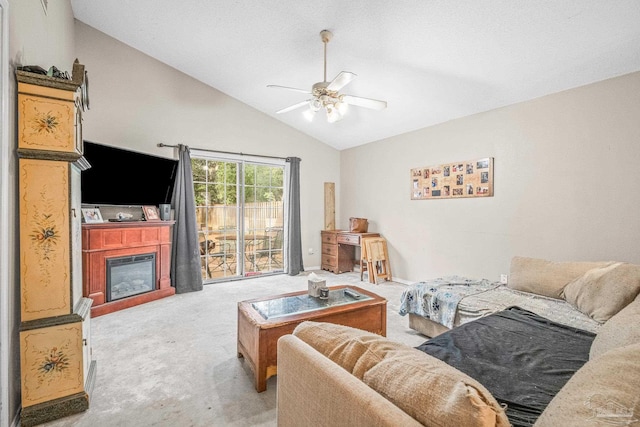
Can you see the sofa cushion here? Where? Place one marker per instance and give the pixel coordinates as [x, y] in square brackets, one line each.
[343, 345]
[424, 387]
[604, 291]
[427, 389]
[603, 392]
[548, 278]
[619, 331]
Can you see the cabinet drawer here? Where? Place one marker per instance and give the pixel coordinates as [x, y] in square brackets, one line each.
[330, 249]
[349, 239]
[329, 260]
[329, 238]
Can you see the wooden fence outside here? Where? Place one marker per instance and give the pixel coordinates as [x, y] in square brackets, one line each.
[257, 216]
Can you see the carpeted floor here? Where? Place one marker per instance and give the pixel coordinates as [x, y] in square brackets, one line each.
[173, 362]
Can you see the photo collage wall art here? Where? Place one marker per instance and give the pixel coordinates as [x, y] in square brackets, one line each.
[473, 178]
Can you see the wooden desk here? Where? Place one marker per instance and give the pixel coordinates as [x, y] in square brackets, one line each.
[339, 249]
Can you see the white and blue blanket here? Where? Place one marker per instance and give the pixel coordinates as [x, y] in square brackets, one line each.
[438, 299]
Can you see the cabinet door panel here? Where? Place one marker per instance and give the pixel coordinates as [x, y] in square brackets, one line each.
[48, 119]
[45, 263]
[46, 124]
[51, 363]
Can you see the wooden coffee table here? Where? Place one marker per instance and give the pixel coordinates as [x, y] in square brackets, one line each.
[262, 321]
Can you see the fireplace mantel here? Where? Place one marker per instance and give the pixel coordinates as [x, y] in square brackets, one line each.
[107, 240]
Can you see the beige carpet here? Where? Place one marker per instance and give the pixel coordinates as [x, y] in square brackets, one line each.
[173, 362]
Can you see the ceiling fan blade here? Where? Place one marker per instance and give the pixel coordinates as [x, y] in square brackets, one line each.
[291, 88]
[374, 104]
[341, 80]
[293, 107]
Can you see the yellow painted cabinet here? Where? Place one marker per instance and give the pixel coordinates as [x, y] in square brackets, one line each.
[57, 372]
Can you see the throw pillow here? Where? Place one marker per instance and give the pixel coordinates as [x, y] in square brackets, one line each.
[603, 392]
[428, 389]
[619, 331]
[343, 345]
[547, 278]
[602, 292]
[424, 387]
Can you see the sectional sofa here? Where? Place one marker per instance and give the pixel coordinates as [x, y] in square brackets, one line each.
[332, 375]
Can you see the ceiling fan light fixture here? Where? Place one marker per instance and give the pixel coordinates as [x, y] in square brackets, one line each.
[333, 115]
[315, 104]
[309, 114]
[342, 107]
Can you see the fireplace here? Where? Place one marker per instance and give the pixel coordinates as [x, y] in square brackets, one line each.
[130, 275]
[129, 240]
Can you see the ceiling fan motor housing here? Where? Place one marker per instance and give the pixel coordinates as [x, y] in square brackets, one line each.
[324, 97]
[326, 36]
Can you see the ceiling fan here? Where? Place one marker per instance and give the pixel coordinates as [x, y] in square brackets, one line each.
[326, 94]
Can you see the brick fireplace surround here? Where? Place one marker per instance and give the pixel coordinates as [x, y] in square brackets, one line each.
[107, 240]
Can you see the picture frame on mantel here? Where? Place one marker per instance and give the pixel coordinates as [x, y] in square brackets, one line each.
[151, 213]
[91, 215]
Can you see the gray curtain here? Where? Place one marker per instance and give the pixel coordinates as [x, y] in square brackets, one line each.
[294, 246]
[185, 250]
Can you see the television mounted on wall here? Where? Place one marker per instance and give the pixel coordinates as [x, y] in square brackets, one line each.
[124, 177]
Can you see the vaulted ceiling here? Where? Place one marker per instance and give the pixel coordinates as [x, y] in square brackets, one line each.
[431, 60]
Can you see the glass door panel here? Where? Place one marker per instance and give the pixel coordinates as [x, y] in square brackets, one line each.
[217, 211]
[263, 218]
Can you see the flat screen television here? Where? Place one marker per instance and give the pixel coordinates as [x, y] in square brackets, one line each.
[124, 177]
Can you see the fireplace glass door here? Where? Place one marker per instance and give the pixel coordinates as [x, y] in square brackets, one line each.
[130, 275]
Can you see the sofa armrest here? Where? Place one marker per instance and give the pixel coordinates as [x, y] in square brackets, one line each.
[313, 390]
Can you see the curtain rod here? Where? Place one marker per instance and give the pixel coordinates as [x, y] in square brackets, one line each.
[227, 152]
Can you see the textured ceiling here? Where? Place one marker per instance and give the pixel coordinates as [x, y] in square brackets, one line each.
[432, 61]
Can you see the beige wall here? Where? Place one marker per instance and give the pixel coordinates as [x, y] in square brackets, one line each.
[35, 38]
[566, 185]
[137, 102]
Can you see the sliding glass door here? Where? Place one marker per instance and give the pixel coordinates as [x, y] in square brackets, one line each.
[240, 214]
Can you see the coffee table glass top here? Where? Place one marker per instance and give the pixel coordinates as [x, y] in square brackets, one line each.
[286, 306]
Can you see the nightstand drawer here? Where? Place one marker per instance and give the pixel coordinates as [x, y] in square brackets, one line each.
[330, 249]
[329, 238]
[349, 239]
[329, 261]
